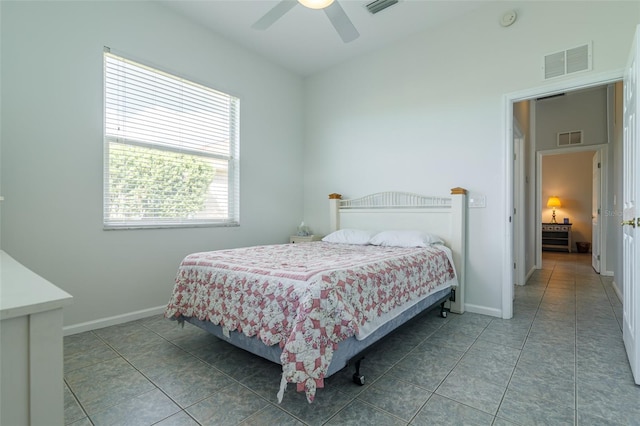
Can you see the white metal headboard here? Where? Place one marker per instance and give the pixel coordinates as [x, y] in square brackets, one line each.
[391, 199]
[445, 216]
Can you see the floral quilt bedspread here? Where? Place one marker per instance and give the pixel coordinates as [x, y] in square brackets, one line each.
[305, 297]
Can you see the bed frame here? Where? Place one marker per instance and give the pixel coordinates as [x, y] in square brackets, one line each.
[444, 216]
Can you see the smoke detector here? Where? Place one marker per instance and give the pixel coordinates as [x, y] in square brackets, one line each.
[508, 18]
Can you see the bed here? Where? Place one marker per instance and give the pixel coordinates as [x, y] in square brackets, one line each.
[313, 307]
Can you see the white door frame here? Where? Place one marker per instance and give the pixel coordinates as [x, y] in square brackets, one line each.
[518, 205]
[509, 99]
[602, 149]
[598, 231]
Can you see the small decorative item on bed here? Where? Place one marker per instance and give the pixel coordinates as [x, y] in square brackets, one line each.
[314, 306]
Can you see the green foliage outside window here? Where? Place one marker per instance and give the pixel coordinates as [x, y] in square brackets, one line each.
[150, 183]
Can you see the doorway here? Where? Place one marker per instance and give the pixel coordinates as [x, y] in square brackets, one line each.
[511, 100]
[574, 176]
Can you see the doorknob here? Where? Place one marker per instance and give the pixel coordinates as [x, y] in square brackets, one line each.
[631, 222]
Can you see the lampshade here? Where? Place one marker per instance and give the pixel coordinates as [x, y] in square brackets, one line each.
[553, 202]
[315, 4]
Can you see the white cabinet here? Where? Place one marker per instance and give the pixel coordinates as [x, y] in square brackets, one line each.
[31, 360]
[556, 236]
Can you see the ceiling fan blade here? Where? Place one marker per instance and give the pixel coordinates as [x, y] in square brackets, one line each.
[274, 14]
[341, 22]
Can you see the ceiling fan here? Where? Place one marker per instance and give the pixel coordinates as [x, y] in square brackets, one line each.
[332, 9]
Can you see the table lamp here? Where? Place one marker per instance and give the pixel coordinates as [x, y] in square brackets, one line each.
[553, 202]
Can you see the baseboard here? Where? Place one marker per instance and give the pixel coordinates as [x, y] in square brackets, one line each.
[132, 316]
[617, 290]
[476, 309]
[115, 320]
[607, 274]
[531, 271]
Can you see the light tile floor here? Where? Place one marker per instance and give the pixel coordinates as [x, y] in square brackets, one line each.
[560, 360]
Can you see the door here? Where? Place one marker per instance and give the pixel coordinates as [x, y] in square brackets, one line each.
[630, 213]
[595, 213]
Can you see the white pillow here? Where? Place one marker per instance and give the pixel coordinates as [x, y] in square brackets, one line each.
[405, 239]
[349, 236]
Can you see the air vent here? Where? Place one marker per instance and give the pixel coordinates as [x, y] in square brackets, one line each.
[380, 5]
[570, 138]
[544, 98]
[568, 61]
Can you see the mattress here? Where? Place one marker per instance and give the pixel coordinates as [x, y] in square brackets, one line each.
[306, 298]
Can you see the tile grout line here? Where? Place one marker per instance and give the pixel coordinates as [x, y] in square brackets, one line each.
[575, 344]
[523, 345]
[389, 369]
[75, 397]
[232, 379]
[575, 351]
[123, 357]
[448, 374]
[145, 376]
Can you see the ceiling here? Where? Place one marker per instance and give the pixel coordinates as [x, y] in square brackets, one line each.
[304, 40]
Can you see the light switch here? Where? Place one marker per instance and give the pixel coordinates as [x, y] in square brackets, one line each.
[477, 201]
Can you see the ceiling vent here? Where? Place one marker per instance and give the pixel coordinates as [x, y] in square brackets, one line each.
[544, 98]
[570, 138]
[379, 5]
[568, 61]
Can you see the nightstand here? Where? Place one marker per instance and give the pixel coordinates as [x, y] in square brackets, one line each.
[556, 236]
[305, 239]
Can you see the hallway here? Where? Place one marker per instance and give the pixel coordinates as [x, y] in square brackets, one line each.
[576, 331]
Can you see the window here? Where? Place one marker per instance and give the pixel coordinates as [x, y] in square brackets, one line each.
[171, 150]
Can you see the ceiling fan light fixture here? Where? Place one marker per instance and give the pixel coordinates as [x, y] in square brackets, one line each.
[316, 4]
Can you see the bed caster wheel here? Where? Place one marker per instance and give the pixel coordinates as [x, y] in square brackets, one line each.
[443, 314]
[358, 379]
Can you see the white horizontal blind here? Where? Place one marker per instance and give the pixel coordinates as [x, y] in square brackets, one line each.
[171, 150]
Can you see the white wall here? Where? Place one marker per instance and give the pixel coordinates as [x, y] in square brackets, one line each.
[584, 110]
[52, 148]
[427, 114]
